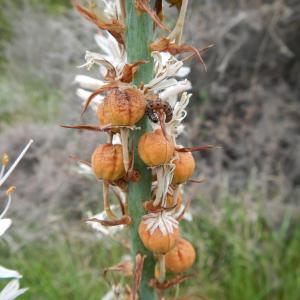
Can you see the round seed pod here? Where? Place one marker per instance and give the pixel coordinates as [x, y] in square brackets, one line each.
[154, 149]
[181, 257]
[107, 162]
[157, 241]
[184, 167]
[122, 107]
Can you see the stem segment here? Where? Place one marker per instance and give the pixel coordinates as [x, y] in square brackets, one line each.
[138, 36]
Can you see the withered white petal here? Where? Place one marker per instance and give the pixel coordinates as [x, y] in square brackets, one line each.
[170, 94]
[87, 82]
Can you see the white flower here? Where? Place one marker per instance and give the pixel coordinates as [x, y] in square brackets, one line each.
[7, 273]
[112, 59]
[12, 290]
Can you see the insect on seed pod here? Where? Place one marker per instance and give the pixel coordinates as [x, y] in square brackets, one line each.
[159, 232]
[154, 149]
[181, 257]
[107, 162]
[184, 167]
[122, 107]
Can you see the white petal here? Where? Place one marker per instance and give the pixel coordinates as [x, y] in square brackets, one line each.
[171, 93]
[4, 225]
[11, 290]
[87, 82]
[7, 273]
[183, 71]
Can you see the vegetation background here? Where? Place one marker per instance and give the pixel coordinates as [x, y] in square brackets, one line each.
[246, 225]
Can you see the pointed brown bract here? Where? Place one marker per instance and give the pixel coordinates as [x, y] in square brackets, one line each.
[139, 264]
[169, 283]
[106, 128]
[129, 70]
[115, 27]
[164, 44]
[143, 6]
[159, 9]
[123, 267]
[76, 158]
[104, 88]
[176, 3]
[194, 149]
[125, 220]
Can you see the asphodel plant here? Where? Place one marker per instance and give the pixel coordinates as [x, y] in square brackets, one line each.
[140, 102]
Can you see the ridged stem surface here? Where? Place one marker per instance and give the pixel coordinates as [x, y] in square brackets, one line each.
[139, 34]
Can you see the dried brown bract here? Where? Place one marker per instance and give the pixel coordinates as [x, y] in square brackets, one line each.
[164, 44]
[114, 27]
[176, 3]
[169, 283]
[143, 6]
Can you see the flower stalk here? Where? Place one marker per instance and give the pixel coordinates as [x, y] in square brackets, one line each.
[138, 37]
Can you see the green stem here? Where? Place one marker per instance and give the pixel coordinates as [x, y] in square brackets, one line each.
[138, 37]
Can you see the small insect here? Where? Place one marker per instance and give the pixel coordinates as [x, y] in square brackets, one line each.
[153, 108]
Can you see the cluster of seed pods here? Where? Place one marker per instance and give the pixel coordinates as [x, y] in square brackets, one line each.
[159, 228]
[171, 165]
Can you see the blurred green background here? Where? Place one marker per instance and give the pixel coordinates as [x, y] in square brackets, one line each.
[246, 225]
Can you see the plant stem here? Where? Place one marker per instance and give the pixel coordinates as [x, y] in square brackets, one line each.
[138, 36]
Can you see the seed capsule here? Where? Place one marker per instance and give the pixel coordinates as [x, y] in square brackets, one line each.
[184, 167]
[159, 232]
[157, 242]
[107, 162]
[122, 107]
[154, 149]
[181, 257]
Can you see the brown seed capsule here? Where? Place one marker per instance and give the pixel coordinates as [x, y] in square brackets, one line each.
[181, 257]
[157, 241]
[184, 167]
[107, 162]
[122, 107]
[154, 149]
